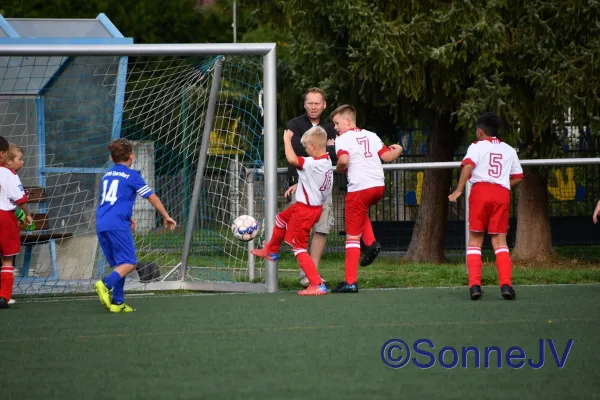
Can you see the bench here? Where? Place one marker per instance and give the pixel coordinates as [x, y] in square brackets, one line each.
[42, 233]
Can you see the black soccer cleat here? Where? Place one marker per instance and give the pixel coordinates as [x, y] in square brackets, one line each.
[3, 303]
[508, 292]
[369, 253]
[475, 292]
[344, 287]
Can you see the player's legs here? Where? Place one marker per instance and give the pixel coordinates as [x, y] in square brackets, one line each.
[317, 246]
[356, 213]
[300, 226]
[123, 252]
[279, 232]
[270, 250]
[119, 249]
[474, 263]
[10, 246]
[479, 212]
[118, 301]
[371, 248]
[498, 228]
[6, 281]
[322, 229]
[126, 261]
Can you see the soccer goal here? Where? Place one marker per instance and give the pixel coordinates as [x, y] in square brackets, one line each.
[202, 119]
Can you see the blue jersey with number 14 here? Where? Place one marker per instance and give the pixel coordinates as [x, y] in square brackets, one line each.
[119, 188]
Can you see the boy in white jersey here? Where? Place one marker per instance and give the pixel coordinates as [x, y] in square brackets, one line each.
[493, 168]
[294, 224]
[11, 195]
[359, 154]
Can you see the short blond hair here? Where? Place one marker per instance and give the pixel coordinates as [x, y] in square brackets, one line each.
[315, 135]
[13, 151]
[345, 110]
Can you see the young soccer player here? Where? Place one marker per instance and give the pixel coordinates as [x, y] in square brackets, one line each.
[359, 153]
[493, 168]
[294, 224]
[119, 188]
[11, 195]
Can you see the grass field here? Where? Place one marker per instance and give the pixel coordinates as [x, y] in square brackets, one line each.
[389, 272]
[282, 346]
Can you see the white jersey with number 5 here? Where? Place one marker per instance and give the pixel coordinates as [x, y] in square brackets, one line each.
[315, 180]
[364, 168]
[493, 162]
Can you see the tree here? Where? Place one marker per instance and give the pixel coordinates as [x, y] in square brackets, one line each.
[548, 68]
[532, 62]
[148, 21]
[393, 58]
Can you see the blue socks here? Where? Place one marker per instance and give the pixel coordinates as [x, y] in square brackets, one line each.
[111, 280]
[118, 293]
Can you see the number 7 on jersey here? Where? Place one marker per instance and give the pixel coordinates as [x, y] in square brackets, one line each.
[364, 141]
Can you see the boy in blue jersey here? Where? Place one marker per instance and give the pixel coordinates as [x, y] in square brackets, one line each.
[119, 188]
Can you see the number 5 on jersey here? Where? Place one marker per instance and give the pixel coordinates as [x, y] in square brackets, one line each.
[496, 165]
[111, 195]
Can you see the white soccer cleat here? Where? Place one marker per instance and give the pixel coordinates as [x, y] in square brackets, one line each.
[11, 302]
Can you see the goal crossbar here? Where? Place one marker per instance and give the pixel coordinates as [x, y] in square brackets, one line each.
[184, 49]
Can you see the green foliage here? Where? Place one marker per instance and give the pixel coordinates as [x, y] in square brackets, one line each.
[147, 21]
[531, 61]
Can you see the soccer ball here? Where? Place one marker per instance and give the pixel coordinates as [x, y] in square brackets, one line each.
[244, 228]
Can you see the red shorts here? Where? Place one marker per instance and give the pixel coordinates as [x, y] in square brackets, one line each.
[10, 238]
[357, 208]
[489, 206]
[298, 220]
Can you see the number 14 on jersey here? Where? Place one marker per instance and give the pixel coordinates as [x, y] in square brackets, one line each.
[111, 195]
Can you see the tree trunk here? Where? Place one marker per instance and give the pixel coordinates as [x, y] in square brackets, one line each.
[534, 239]
[427, 242]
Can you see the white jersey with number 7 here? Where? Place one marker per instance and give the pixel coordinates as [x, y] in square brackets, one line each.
[364, 168]
[493, 162]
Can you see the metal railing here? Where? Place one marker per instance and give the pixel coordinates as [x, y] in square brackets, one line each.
[420, 166]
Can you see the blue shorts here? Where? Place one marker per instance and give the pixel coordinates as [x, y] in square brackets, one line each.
[118, 247]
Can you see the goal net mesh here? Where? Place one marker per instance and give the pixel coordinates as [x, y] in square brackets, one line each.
[64, 111]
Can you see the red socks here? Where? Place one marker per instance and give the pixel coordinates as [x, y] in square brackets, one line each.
[474, 265]
[276, 239]
[368, 237]
[308, 266]
[6, 282]
[504, 265]
[352, 259]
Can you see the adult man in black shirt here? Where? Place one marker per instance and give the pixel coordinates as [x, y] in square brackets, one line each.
[314, 104]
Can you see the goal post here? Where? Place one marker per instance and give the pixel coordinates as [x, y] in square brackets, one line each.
[219, 102]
